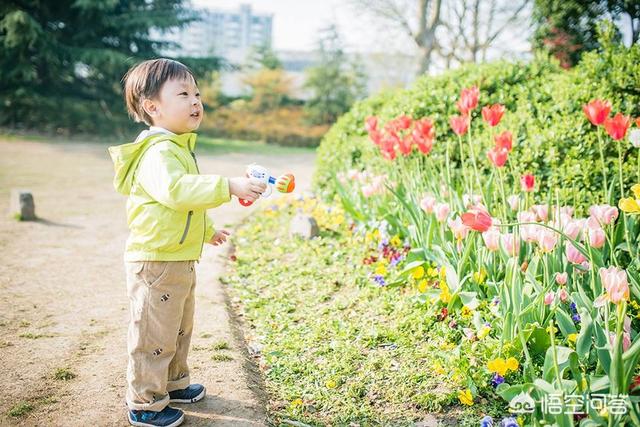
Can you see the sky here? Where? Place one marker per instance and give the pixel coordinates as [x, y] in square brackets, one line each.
[296, 22]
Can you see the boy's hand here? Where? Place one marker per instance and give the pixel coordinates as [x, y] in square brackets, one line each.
[219, 237]
[246, 188]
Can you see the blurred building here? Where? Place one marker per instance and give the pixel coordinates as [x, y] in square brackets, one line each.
[227, 34]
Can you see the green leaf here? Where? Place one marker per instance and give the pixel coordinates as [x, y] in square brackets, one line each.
[565, 323]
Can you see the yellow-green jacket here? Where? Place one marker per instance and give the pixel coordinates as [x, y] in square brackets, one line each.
[168, 198]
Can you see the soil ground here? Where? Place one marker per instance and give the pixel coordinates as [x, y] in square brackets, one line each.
[63, 302]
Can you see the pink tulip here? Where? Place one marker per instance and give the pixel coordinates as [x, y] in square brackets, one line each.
[353, 174]
[528, 233]
[561, 278]
[626, 340]
[428, 204]
[491, 239]
[596, 237]
[511, 246]
[547, 240]
[514, 202]
[572, 229]
[563, 294]
[442, 211]
[605, 214]
[368, 190]
[459, 229]
[615, 283]
[548, 298]
[541, 211]
[574, 255]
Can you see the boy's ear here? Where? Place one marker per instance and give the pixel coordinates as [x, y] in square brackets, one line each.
[149, 107]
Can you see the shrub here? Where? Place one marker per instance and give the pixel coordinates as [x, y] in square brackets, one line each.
[553, 139]
[283, 126]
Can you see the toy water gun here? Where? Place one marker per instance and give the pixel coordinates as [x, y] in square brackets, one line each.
[284, 183]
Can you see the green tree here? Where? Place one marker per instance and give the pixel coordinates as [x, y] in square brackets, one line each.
[335, 83]
[264, 57]
[61, 61]
[567, 28]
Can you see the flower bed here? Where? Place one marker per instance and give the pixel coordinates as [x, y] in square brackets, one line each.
[562, 287]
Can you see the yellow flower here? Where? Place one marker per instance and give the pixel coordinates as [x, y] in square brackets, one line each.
[445, 295]
[438, 369]
[331, 384]
[432, 272]
[368, 237]
[465, 397]
[418, 273]
[484, 332]
[480, 276]
[629, 205]
[466, 311]
[520, 420]
[499, 366]
[296, 402]
[635, 189]
[376, 233]
[443, 273]
[337, 220]
[395, 241]
[512, 364]
[381, 270]
[572, 338]
[422, 286]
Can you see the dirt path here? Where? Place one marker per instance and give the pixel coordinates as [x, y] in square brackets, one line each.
[63, 304]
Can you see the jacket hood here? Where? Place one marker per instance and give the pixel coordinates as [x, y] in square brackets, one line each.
[126, 157]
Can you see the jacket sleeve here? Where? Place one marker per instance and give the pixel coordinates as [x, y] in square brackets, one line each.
[209, 229]
[165, 179]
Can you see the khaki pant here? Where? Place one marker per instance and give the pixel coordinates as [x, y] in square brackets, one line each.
[161, 295]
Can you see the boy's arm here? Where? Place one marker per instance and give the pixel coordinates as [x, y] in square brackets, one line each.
[165, 178]
[209, 229]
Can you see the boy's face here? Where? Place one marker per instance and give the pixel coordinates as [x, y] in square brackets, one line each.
[177, 107]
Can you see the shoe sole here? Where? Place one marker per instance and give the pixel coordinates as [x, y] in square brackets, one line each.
[199, 397]
[176, 423]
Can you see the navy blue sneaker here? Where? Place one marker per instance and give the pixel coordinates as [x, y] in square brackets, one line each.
[168, 417]
[191, 394]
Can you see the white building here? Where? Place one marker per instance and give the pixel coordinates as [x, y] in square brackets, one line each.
[227, 34]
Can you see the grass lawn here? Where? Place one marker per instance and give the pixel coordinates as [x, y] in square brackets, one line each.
[206, 145]
[337, 349]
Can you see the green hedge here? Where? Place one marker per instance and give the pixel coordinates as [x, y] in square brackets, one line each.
[554, 140]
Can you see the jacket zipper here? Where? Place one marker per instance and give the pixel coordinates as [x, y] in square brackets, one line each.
[186, 227]
[204, 215]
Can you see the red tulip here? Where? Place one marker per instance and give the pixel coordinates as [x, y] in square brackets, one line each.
[371, 124]
[597, 111]
[424, 129]
[498, 156]
[423, 135]
[405, 145]
[388, 146]
[527, 182]
[459, 124]
[504, 140]
[477, 219]
[468, 100]
[375, 136]
[617, 126]
[492, 114]
[399, 123]
[638, 122]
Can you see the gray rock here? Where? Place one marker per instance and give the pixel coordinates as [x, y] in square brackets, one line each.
[304, 226]
[22, 204]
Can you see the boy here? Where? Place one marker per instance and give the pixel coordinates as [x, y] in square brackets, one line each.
[166, 214]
